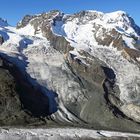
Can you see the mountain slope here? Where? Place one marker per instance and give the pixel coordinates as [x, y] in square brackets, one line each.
[84, 63]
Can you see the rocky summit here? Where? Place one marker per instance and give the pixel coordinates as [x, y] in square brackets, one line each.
[78, 70]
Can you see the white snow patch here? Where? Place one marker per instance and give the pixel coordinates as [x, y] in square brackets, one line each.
[27, 30]
[129, 41]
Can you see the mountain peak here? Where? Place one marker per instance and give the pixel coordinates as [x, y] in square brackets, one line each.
[122, 20]
[119, 20]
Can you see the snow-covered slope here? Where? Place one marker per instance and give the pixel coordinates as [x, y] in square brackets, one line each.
[60, 53]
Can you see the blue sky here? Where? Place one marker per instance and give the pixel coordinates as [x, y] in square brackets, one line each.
[14, 10]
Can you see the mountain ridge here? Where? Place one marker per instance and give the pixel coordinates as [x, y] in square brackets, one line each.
[86, 59]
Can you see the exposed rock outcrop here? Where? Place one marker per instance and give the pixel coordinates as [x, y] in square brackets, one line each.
[21, 104]
[112, 37]
[25, 21]
[1, 40]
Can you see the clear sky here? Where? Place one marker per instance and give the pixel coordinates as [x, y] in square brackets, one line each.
[14, 10]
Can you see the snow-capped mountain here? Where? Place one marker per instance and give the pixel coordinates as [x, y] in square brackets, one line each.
[87, 64]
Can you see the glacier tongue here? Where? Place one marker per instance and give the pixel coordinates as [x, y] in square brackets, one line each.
[45, 66]
[48, 67]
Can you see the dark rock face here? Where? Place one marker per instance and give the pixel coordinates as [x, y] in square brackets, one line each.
[10, 105]
[59, 43]
[20, 103]
[1, 40]
[9, 101]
